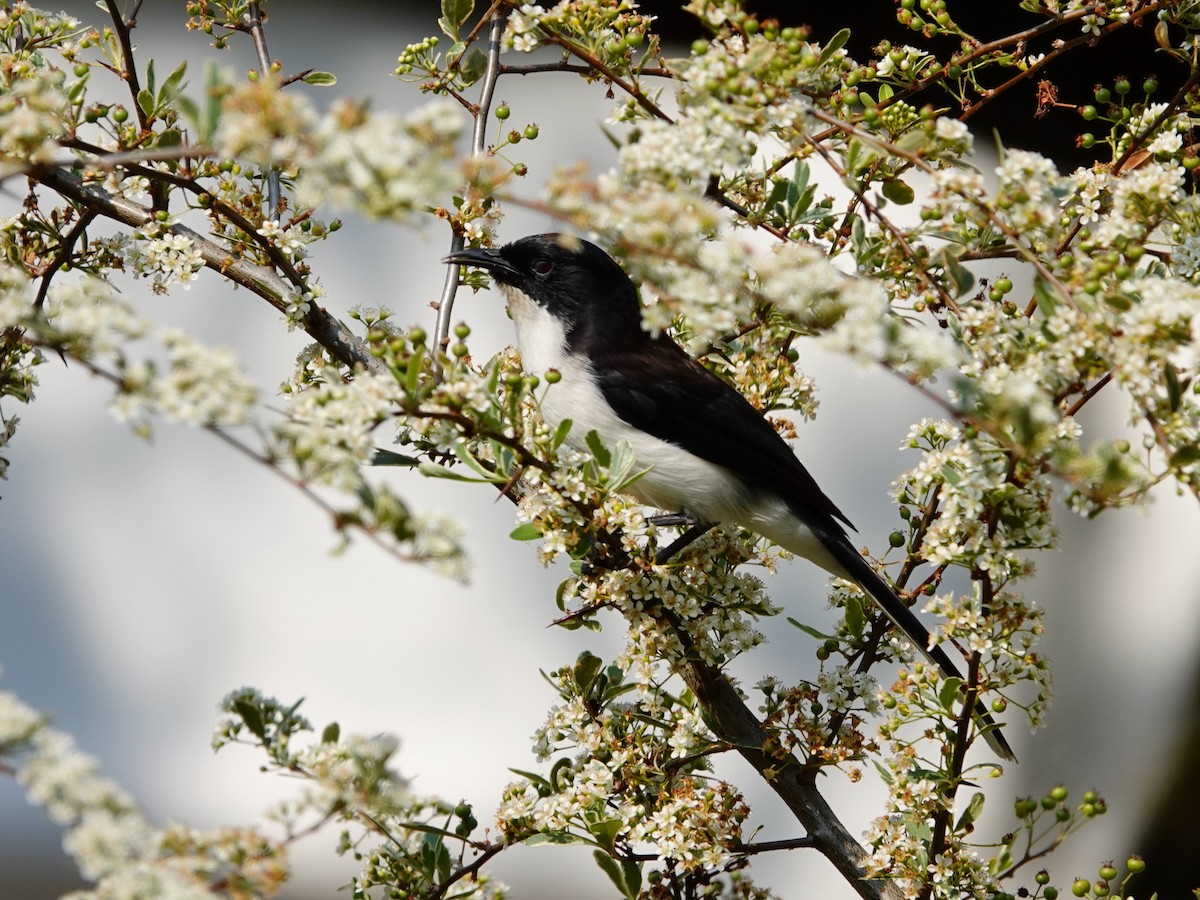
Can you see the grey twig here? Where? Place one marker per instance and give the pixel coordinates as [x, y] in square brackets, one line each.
[478, 146]
[262, 280]
[264, 65]
[733, 722]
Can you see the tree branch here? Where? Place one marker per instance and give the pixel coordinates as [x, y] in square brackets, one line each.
[732, 721]
[263, 281]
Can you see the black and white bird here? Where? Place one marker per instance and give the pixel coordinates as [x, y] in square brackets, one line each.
[710, 454]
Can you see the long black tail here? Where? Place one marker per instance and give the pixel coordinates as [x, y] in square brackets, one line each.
[903, 618]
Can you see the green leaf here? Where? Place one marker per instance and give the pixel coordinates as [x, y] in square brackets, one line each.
[331, 733]
[457, 11]
[431, 830]
[463, 452]
[856, 618]
[603, 457]
[622, 461]
[526, 532]
[532, 777]
[587, 666]
[833, 45]
[321, 79]
[948, 693]
[412, 376]
[174, 83]
[150, 83]
[560, 433]
[252, 716]
[809, 630]
[633, 877]
[434, 470]
[613, 870]
[959, 274]
[1184, 456]
[605, 831]
[145, 102]
[1174, 391]
[973, 811]
[472, 68]
[899, 192]
[389, 458]
[1047, 298]
[915, 142]
[554, 837]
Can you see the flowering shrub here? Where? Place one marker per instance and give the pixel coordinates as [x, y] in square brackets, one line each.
[717, 207]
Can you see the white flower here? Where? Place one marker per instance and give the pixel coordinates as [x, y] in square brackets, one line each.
[202, 385]
[18, 722]
[170, 258]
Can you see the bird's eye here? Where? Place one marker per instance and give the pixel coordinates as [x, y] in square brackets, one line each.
[542, 266]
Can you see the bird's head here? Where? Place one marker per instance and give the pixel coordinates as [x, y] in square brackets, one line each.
[573, 280]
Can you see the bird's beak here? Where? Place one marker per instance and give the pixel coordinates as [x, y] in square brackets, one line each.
[489, 260]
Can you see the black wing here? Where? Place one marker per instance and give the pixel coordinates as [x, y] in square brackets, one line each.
[677, 400]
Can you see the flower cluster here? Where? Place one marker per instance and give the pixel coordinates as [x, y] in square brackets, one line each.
[109, 838]
[169, 258]
[351, 779]
[618, 787]
[616, 32]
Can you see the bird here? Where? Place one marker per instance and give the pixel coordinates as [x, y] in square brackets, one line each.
[708, 454]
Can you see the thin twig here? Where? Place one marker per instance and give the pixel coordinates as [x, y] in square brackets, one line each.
[445, 306]
[264, 65]
[63, 255]
[262, 280]
[128, 71]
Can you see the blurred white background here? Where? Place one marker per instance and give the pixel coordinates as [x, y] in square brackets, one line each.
[140, 582]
